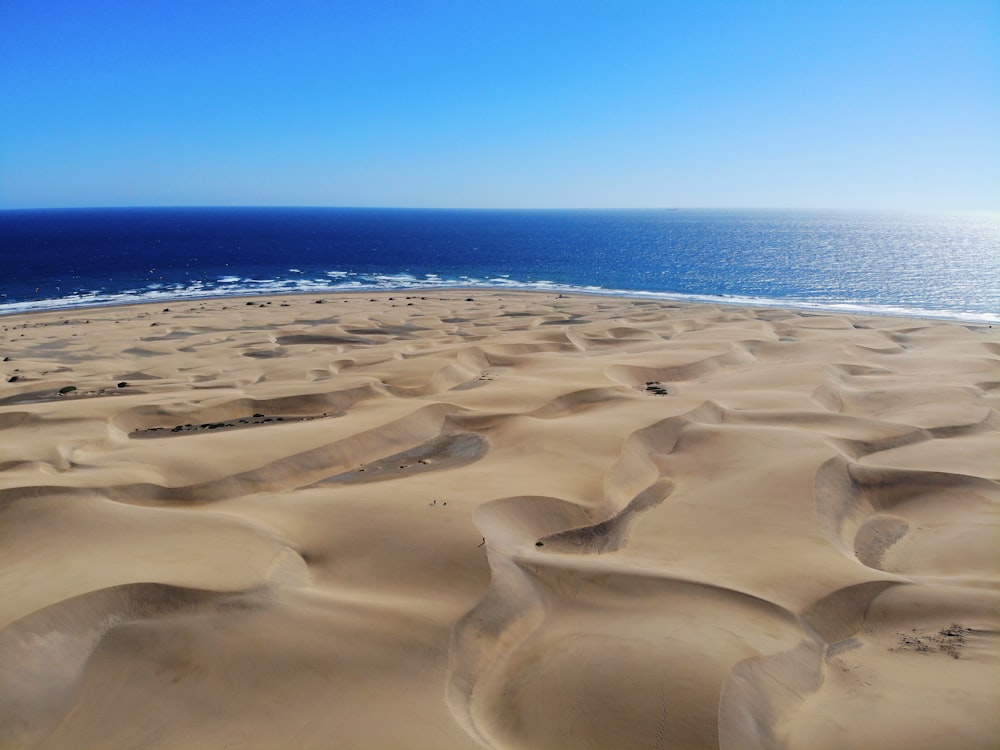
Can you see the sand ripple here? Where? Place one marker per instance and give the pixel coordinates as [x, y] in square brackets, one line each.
[500, 521]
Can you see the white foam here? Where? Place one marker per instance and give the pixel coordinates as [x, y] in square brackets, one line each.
[334, 281]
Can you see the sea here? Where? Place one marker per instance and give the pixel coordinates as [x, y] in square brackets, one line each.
[943, 265]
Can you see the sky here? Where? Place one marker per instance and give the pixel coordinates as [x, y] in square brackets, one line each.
[501, 103]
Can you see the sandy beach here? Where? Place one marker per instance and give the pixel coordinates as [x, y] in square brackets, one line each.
[468, 519]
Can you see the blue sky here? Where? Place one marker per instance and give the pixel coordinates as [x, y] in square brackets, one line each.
[500, 104]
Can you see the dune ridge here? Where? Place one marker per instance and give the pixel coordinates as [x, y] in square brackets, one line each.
[499, 520]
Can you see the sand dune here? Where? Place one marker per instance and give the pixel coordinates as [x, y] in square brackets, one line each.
[503, 520]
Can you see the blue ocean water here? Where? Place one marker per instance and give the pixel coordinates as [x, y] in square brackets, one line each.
[945, 265]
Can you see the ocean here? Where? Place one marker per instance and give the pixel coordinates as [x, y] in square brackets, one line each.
[943, 265]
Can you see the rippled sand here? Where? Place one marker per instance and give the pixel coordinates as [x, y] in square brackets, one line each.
[468, 519]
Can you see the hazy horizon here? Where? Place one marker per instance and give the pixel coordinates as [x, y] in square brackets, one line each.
[885, 106]
[719, 209]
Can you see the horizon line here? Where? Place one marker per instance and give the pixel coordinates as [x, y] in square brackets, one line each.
[306, 206]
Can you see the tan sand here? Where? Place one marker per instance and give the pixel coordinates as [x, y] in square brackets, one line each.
[465, 519]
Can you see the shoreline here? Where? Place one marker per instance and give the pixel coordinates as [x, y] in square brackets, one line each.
[463, 518]
[842, 308]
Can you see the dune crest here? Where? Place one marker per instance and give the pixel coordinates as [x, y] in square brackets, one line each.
[498, 520]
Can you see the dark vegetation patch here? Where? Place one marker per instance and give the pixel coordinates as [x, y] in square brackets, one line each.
[655, 387]
[950, 640]
[230, 424]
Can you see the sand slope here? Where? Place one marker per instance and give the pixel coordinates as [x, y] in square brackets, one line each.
[468, 519]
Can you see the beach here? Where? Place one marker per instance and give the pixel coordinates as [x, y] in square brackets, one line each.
[497, 519]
